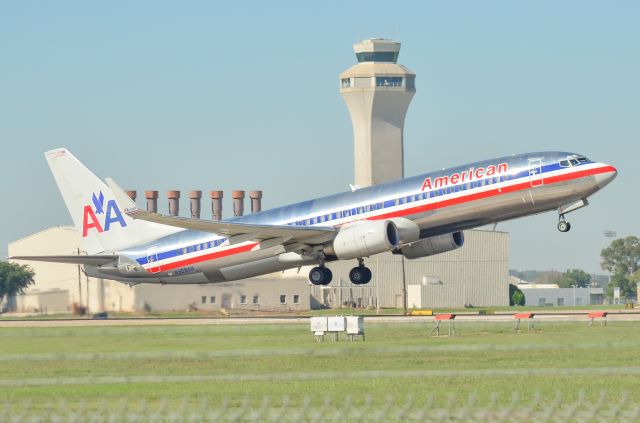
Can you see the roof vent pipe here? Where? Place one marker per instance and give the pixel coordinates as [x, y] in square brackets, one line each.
[238, 202]
[256, 201]
[194, 200]
[216, 205]
[152, 201]
[174, 202]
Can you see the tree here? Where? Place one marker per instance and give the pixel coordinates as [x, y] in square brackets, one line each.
[626, 283]
[622, 256]
[14, 279]
[571, 277]
[622, 259]
[516, 297]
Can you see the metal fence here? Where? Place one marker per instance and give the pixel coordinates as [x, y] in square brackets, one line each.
[534, 408]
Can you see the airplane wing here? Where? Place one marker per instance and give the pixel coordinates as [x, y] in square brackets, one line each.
[230, 229]
[94, 260]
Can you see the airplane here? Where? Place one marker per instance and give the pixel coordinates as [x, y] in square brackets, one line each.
[416, 217]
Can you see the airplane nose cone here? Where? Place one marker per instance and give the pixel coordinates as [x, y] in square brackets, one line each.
[604, 178]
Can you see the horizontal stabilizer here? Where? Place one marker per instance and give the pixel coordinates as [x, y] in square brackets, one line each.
[94, 260]
[229, 229]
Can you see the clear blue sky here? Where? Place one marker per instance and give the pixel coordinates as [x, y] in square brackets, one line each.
[235, 95]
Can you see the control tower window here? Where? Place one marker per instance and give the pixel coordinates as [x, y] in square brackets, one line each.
[378, 56]
[388, 81]
[346, 82]
[410, 82]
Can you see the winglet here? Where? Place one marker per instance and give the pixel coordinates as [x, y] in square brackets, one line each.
[127, 205]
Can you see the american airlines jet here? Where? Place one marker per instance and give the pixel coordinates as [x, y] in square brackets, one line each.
[417, 217]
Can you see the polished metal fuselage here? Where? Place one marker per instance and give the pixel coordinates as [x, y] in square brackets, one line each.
[532, 183]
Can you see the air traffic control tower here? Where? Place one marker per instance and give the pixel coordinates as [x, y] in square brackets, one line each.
[377, 91]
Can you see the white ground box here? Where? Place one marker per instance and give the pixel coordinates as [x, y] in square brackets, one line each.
[336, 324]
[355, 325]
[319, 324]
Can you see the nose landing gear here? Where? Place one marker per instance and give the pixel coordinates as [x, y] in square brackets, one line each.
[563, 225]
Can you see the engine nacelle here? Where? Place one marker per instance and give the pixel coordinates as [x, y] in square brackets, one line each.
[364, 239]
[431, 246]
[407, 230]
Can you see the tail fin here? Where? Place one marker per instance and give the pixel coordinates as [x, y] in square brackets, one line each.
[93, 208]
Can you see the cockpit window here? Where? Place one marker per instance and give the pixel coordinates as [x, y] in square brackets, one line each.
[573, 161]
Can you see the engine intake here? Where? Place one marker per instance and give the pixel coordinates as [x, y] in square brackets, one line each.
[364, 239]
[432, 246]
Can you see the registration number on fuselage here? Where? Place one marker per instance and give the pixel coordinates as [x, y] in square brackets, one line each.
[184, 270]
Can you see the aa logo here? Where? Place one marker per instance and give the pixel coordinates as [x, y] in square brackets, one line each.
[111, 215]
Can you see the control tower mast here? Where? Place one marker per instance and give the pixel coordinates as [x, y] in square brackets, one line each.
[377, 91]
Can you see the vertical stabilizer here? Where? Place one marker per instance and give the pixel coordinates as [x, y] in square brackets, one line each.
[100, 223]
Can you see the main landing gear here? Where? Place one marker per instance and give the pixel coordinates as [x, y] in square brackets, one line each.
[359, 275]
[563, 225]
[320, 275]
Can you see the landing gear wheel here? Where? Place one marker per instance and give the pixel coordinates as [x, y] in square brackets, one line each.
[360, 275]
[368, 275]
[564, 226]
[320, 275]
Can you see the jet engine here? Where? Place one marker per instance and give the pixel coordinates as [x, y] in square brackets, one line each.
[363, 239]
[432, 245]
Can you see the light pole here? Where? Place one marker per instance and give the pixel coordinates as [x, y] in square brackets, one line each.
[610, 234]
[574, 294]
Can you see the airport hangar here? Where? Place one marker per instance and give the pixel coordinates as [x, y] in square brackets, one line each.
[377, 91]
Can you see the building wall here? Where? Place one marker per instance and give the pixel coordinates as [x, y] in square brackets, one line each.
[50, 276]
[54, 301]
[476, 274]
[261, 293]
[98, 294]
[106, 295]
[562, 296]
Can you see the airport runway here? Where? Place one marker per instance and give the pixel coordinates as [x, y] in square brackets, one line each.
[613, 316]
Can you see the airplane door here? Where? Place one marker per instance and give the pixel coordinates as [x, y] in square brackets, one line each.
[535, 172]
[152, 259]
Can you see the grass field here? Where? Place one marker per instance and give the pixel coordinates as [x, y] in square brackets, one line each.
[77, 370]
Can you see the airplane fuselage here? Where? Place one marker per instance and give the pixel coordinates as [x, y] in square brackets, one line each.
[438, 203]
